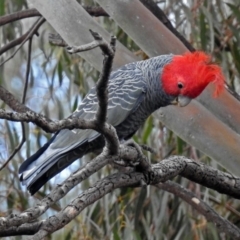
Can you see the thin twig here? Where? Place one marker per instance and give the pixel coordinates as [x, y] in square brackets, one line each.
[33, 31]
[89, 46]
[19, 146]
[226, 205]
[23, 101]
[14, 43]
[27, 70]
[96, 11]
[222, 224]
[93, 11]
[101, 86]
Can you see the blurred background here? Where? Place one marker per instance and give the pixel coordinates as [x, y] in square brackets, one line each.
[58, 82]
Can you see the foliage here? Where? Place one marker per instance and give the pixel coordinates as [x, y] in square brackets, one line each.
[57, 84]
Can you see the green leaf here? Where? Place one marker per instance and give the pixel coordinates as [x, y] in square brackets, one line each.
[180, 145]
[60, 109]
[210, 26]
[147, 129]
[69, 235]
[203, 31]
[139, 206]
[10, 135]
[115, 234]
[2, 8]
[10, 200]
[75, 104]
[236, 55]
[60, 72]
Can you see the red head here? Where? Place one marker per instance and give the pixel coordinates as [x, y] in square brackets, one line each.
[188, 75]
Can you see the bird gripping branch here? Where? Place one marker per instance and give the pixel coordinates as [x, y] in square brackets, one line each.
[134, 92]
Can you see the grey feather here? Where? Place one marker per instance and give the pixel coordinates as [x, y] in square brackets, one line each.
[134, 93]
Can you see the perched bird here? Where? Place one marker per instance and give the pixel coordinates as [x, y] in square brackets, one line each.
[135, 91]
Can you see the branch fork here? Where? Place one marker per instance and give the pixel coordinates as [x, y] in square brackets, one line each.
[141, 171]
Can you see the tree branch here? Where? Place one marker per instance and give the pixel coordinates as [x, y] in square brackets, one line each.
[14, 104]
[19, 15]
[161, 172]
[145, 174]
[61, 190]
[160, 15]
[96, 11]
[25, 114]
[17, 148]
[23, 101]
[223, 225]
[22, 40]
[102, 84]
[93, 11]
[25, 229]
[56, 39]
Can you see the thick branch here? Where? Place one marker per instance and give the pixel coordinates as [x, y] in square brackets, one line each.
[161, 172]
[25, 229]
[202, 174]
[61, 190]
[164, 170]
[212, 178]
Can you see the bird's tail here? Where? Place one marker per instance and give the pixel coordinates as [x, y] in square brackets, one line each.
[42, 175]
[46, 163]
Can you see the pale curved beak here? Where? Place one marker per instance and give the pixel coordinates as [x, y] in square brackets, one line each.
[181, 101]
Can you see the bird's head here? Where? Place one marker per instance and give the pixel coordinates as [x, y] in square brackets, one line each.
[186, 76]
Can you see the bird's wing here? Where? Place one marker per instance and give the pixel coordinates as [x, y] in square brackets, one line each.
[126, 90]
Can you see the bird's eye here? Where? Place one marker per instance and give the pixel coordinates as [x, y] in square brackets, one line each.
[180, 85]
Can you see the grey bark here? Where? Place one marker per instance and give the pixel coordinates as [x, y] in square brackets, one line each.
[160, 172]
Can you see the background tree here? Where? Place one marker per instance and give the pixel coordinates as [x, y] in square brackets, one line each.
[58, 82]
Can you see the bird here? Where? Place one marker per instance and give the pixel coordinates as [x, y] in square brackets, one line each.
[135, 91]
